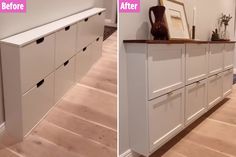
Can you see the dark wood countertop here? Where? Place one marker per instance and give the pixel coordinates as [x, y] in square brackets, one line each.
[176, 41]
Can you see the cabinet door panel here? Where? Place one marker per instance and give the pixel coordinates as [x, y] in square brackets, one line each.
[166, 117]
[227, 82]
[166, 69]
[196, 101]
[229, 56]
[216, 58]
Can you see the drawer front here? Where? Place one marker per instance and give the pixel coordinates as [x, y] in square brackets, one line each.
[196, 101]
[64, 78]
[88, 30]
[166, 118]
[215, 90]
[166, 69]
[227, 82]
[36, 61]
[216, 58]
[229, 56]
[83, 62]
[196, 62]
[37, 102]
[97, 49]
[65, 45]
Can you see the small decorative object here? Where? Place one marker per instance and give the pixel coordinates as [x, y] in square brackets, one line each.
[158, 30]
[215, 35]
[224, 22]
[176, 20]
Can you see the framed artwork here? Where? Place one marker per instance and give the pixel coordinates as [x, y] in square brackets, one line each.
[176, 20]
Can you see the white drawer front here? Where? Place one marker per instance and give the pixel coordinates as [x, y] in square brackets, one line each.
[227, 82]
[229, 56]
[83, 62]
[88, 30]
[64, 78]
[97, 49]
[36, 103]
[36, 61]
[166, 68]
[65, 45]
[196, 101]
[166, 118]
[196, 62]
[215, 89]
[216, 58]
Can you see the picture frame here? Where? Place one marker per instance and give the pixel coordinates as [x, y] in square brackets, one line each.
[176, 20]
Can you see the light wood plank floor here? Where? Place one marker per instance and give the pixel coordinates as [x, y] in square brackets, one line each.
[213, 135]
[83, 123]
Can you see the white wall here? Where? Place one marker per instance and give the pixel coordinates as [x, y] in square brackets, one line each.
[39, 12]
[136, 26]
[110, 5]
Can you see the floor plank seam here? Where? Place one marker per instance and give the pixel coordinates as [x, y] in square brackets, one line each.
[14, 152]
[90, 121]
[226, 123]
[98, 90]
[86, 138]
[206, 147]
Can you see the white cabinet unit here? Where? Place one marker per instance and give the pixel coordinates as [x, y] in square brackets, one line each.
[65, 44]
[38, 67]
[229, 56]
[216, 59]
[64, 78]
[169, 58]
[196, 101]
[169, 87]
[196, 62]
[166, 117]
[227, 82]
[215, 90]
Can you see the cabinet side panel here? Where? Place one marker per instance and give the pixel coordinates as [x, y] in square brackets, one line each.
[137, 97]
[12, 90]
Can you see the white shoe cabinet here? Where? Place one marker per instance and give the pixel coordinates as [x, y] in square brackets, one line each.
[40, 65]
[175, 84]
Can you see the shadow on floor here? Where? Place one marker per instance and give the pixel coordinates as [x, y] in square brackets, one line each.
[108, 31]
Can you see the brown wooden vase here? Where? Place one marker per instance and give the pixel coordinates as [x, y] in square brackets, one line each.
[158, 30]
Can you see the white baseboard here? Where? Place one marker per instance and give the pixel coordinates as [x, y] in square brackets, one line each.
[129, 153]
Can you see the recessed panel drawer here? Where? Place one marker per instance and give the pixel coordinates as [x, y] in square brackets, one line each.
[166, 118]
[196, 101]
[216, 58]
[64, 78]
[227, 82]
[37, 102]
[166, 68]
[215, 90]
[65, 44]
[196, 62]
[229, 56]
[36, 61]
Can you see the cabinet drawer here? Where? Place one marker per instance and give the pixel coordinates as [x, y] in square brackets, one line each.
[166, 118]
[36, 61]
[229, 56]
[227, 82]
[166, 69]
[65, 44]
[196, 101]
[36, 103]
[64, 78]
[216, 58]
[196, 62]
[88, 30]
[215, 90]
[97, 49]
[83, 62]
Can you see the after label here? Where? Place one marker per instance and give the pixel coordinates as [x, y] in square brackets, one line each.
[129, 6]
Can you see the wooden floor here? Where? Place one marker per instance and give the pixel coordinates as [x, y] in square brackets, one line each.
[214, 135]
[83, 123]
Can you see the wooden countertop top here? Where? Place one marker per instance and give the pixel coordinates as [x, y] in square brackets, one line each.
[176, 41]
